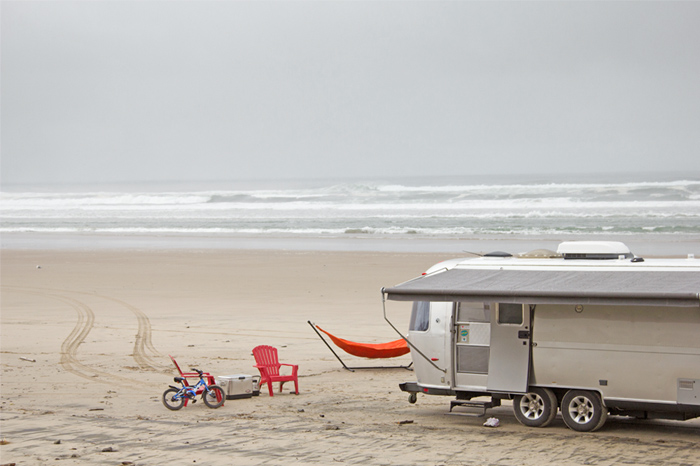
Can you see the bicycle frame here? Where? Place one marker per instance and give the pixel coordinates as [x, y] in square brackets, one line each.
[188, 392]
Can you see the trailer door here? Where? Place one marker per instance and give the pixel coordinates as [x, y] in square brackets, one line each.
[509, 361]
[472, 339]
[429, 321]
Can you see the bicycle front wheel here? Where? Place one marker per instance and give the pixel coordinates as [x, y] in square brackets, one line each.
[171, 401]
[214, 397]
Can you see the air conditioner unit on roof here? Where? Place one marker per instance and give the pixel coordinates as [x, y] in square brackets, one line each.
[594, 250]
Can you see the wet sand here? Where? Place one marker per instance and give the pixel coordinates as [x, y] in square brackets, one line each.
[85, 343]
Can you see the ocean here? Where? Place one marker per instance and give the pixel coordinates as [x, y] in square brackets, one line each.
[646, 209]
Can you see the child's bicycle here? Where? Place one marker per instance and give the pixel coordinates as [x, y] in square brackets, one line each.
[212, 395]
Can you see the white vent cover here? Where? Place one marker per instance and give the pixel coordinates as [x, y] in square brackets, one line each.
[594, 248]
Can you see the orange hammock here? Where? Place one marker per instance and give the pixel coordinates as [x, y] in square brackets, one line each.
[369, 350]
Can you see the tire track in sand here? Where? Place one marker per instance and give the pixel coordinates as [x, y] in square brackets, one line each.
[86, 318]
[143, 341]
[69, 348]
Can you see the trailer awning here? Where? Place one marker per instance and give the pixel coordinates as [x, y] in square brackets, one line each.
[652, 288]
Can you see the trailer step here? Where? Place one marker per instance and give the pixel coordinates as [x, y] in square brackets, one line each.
[482, 405]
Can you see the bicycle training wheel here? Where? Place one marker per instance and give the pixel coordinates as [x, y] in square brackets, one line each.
[214, 397]
[170, 401]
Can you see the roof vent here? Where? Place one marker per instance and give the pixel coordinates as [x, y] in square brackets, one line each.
[498, 254]
[539, 254]
[594, 250]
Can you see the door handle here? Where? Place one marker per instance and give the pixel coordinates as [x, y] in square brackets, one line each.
[524, 334]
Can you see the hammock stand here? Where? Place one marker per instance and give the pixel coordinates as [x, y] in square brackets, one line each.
[365, 350]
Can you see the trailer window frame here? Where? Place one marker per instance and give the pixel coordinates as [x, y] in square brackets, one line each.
[473, 311]
[420, 316]
[510, 314]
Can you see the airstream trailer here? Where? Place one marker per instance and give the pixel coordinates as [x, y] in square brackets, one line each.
[591, 330]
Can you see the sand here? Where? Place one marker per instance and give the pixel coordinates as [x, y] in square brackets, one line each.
[86, 337]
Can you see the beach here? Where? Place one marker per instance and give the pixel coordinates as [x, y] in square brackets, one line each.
[86, 335]
[188, 180]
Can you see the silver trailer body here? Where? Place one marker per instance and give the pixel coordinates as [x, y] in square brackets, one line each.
[594, 331]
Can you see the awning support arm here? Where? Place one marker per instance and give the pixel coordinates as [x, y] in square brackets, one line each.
[444, 371]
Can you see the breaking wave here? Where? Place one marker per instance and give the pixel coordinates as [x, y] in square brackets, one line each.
[382, 209]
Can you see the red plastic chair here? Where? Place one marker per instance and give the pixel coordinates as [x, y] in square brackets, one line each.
[207, 376]
[269, 366]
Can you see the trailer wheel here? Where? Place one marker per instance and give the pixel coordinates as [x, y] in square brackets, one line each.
[413, 397]
[536, 408]
[583, 411]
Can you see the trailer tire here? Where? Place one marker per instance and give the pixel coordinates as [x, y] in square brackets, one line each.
[536, 408]
[413, 397]
[583, 411]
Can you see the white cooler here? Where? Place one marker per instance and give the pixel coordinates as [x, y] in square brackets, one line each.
[238, 386]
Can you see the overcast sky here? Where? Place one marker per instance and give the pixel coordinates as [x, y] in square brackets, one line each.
[105, 91]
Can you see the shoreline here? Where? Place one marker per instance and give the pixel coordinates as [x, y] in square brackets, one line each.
[656, 246]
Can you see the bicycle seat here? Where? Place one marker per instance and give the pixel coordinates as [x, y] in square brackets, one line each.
[179, 379]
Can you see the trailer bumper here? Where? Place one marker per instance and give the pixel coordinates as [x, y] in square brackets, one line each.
[413, 387]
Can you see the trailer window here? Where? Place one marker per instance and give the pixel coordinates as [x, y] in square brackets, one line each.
[511, 314]
[420, 316]
[473, 312]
